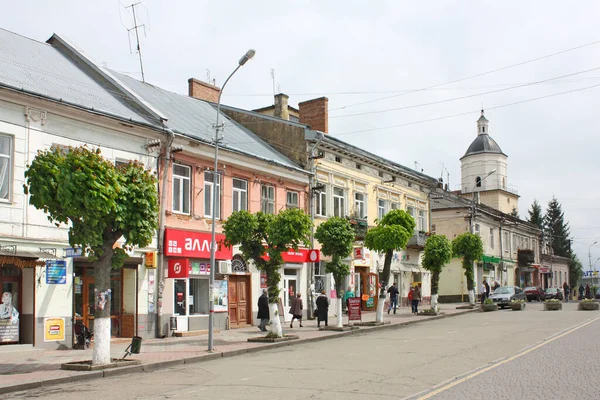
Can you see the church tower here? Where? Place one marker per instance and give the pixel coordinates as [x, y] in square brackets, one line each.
[484, 172]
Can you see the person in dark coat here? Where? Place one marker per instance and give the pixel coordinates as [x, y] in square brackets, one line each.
[581, 289]
[393, 291]
[487, 288]
[322, 308]
[263, 310]
[588, 292]
[296, 310]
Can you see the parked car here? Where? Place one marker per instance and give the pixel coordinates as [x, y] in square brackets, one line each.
[598, 294]
[534, 293]
[554, 293]
[505, 294]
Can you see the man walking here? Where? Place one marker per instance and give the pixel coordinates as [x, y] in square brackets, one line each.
[566, 291]
[393, 291]
[487, 288]
[296, 310]
[263, 310]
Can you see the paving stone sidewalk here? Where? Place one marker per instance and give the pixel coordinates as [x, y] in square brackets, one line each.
[23, 367]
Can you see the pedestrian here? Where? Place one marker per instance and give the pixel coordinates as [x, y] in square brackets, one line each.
[487, 288]
[263, 310]
[416, 297]
[322, 308]
[411, 293]
[348, 295]
[482, 293]
[393, 291]
[581, 289]
[495, 286]
[566, 289]
[588, 292]
[296, 310]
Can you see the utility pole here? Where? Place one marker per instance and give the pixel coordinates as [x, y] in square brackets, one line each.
[311, 204]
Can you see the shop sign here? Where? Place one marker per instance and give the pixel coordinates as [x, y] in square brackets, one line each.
[179, 268]
[194, 244]
[354, 309]
[56, 272]
[359, 253]
[300, 256]
[544, 270]
[263, 280]
[54, 329]
[9, 320]
[220, 296]
[151, 259]
[71, 252]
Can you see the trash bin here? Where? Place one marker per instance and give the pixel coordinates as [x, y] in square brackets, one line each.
[136, 344]
[173, 323]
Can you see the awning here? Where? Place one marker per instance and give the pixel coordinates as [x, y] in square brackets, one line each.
[23, 259]
[490, 259]
[25, 254]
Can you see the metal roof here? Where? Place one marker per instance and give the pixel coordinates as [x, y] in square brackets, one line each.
[41, 69]
[483, 143]
[195, 118]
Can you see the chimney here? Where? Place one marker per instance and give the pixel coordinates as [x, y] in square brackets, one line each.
[281, 106]
[203, 91]
[315, 113]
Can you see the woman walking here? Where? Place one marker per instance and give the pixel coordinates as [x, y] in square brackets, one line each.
[416, 297]
[296, 310]
[322, 308]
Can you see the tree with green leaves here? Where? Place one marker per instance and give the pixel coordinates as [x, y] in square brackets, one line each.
[391, 233]
[469, 247]
[262, 238]
[514, 212]
[102, 203]
[556, 230]
[336, 236]
[535, 215]
[575, 271]
[437, 253]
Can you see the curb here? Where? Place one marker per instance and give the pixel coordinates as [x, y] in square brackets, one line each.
[150, 367]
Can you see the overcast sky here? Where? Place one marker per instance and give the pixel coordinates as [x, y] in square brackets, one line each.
[356, 51]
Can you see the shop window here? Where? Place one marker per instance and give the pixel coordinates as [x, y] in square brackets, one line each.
[240, 195]
[292, 200]
[181, 188]
[5, 166]
[199, 295]
[267, 199]
[212, 181]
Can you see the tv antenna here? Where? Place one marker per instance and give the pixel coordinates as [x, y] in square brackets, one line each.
[273, 79]
[136, 28]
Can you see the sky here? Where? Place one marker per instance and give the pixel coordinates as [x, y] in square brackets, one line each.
[386, 60]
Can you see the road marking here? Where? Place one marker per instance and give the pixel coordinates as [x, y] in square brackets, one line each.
[522, 353]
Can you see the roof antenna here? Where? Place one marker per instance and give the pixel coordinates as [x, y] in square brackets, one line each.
[137, 36]
[273, 79]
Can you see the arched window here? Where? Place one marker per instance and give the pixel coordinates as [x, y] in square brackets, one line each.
[238, 264]
[483, 129]
[478, 181]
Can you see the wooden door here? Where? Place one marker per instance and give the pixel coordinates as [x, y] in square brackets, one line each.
[239, 301]
[242, 283]
[233, 301]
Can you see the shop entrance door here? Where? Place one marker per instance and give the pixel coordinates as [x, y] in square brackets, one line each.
[239, 298]
[290, 287]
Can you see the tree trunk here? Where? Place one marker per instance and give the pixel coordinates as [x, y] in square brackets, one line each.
[275, 321]
[384, 280]
[102, 301]
[338, 290]
[273, 279]
[435, 279]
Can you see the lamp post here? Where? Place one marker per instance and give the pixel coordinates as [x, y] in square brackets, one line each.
[213, 243]
[590, 255]
[473, 199]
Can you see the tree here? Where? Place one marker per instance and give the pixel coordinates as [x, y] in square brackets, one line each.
[336, 236]
[102, 203]
[262, 238]
[535, 215]
[437, 253]
[391, 233]
[514, 212]
[556, 230]
[470, 248]
[575, 271]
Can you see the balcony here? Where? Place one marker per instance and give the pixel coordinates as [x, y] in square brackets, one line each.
[417, 241]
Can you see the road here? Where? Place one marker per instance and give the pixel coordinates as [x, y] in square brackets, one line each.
[504, 354]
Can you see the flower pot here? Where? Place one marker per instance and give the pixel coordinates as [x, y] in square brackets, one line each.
[552, 306]
[517, 306]
[588, 306]
[489, 307]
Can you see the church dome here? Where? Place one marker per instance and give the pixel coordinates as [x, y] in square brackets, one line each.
[483, 143]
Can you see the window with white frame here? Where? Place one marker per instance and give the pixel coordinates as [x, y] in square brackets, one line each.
[212, 181]
[292, 199]
[492, 238]
[338, 203]
[5, 166]
[380, 208]
[359, 205]
[506, 242]
[422, 221]
[240, 195]
[321, 203]
[411, 211]
[514, 243]
[267, 199]
[394, 205]
[181, 188]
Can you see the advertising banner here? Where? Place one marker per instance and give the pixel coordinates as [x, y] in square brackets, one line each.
[220, 296]
[54, 329]
[354, 309]
[56, 272]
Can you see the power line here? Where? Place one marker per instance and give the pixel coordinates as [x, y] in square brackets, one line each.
[467, 112]
[469, 77]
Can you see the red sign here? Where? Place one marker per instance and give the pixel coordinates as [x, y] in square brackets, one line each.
[359, 253]
[179, 268]
[544, 270]
[300, 256]
[263, 280]
[354, 309]
[194, 244]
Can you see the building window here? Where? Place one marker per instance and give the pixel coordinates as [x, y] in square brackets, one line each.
[338, 159]
[394, 206]
[422, 221]
[506, 243]
[321, 203]
[477, 230]
[380, 209]
[478, 181]
[240, 195]
[267, 199]
[359, 205]
[358, 166]
[514, 243]
[492, 238]
[411, 212]
[119, 163]
[210, 178]
[181, 188]
[338, 202]
[483, 129]
[292, 200]
[5, 166]
[199, 292]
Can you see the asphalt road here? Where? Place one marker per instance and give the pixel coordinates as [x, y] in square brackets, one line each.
[390, 364]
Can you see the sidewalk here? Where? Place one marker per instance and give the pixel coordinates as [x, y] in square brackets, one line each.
[23, 367]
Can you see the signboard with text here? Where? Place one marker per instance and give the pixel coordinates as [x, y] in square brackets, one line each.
[54, 329]
[300, 256]
[56, 272]
[354, 309]
[194, 244]
[178, 268]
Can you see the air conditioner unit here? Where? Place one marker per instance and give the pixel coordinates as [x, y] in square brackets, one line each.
[224, 267]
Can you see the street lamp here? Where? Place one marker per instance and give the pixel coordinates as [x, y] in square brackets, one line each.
[590, 254]
[213, 243]
[473, 199]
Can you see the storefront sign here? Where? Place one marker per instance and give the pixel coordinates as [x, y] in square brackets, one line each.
[71, 252]
[56, 272]
[194, 244]
[263, 280]
[300, 256]
[54, 329]
[220, 296]
[354, 309]
[359, 253]
[9, 331]
[151, 259]
[179, 268]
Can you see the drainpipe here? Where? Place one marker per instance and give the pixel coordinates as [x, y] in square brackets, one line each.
[170, 136]
[311, 204]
